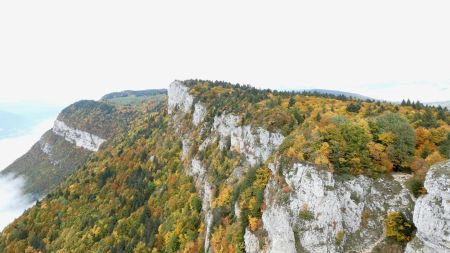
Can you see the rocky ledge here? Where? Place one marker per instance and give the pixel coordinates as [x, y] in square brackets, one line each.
[78, 137]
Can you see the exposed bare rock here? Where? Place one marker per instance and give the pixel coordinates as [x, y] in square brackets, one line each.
[179, 97]
[78, 137]
[432, 213]
[199, 113]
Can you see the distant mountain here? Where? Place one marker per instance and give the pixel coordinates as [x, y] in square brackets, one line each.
[340, 93]
[442, 104]
[135, 93]
[18, 118]
[12, 124]
[131, 97]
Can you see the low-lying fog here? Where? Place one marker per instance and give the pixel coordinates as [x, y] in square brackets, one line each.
[12, 200]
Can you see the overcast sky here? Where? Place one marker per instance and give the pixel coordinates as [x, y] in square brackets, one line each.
[62, 51]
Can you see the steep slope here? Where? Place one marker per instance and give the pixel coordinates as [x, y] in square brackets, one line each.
[78, 132]
[223, 168]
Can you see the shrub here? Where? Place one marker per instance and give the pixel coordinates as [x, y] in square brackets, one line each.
[340, 236]
[415, 186]
[305, 214]
[353, 107]
[445, 147]
[398, 227]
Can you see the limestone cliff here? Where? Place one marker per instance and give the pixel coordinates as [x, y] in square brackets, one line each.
[432, 213]
[321, 211]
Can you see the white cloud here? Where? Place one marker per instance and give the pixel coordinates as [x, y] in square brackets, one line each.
[12, 201]
[64, 51]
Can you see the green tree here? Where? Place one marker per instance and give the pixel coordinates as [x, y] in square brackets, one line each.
[348, 145]
[398, 227]
[401, 150]
[318, 117]
[444, 148]
[298, 116]
[291, 102]
[353, 107]
[428, 120]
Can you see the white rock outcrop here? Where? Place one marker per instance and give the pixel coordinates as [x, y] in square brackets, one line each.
[185, 148]
[78, 137]
[207, 209]
[197, 170]
[199, 113]
[324, 214]
[257, 144]
[47, 149]
[278, 224]
[251, 242]
[179, 97]
[432, 213]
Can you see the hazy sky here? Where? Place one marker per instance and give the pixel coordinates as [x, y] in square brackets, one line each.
[61, 51]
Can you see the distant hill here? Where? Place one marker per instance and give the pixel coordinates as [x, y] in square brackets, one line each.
[131, 97]
[340, 93]
[8, 120]
[442, 104]
[18, 118]
[78, 132]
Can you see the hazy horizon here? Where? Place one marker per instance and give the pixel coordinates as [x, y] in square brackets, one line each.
[386, 50]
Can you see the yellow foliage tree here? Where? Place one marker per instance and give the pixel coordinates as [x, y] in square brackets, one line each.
[262, 177]
[218, 242]
[398, 227]
[434, 158]
[387, 138]
[224, 196]
[253, 223]
[380, 157]
[322, 155]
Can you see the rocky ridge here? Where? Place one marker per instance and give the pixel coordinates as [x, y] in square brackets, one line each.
[321, 212]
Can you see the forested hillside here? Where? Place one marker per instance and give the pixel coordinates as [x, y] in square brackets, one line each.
[216, 168]
[67, 146]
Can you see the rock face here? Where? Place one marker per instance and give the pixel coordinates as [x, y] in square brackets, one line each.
[199, 114]
[251, 242]
[432, 213]
[78, 137]
[179, 96]
[322, 213]
[257, 144]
